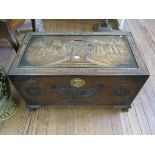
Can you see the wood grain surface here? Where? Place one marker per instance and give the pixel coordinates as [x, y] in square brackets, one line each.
[93, 119]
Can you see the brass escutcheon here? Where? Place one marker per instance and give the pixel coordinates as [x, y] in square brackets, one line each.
[77, 82]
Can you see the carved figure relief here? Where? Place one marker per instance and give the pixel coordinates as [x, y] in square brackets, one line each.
[85, 91]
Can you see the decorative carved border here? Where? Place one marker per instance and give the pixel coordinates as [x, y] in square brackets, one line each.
[141, 70]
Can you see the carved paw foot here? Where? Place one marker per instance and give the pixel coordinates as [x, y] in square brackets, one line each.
[33, 107]
[125, 109]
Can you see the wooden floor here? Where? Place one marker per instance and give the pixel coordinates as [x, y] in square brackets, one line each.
[91, 119]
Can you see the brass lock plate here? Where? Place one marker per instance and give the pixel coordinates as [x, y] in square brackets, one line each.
[77, 82]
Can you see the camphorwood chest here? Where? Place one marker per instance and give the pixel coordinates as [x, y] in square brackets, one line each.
[78, 68]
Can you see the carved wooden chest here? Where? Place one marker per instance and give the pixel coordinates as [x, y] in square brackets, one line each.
[78, 68]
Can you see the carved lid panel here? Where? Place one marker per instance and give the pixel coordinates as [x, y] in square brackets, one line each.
[82, 51]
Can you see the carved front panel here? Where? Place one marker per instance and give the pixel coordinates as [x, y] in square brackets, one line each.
[97, 90]
[35, 91]
[78, 51]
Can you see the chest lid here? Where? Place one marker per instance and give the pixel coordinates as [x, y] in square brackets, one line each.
[76, 53]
